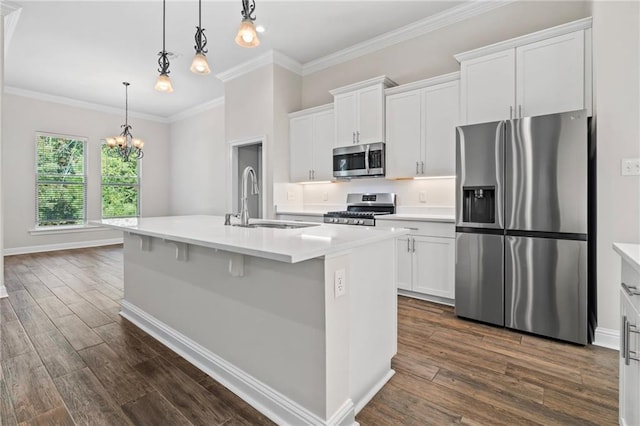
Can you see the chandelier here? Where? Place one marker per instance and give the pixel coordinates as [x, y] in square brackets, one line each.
[125, 145]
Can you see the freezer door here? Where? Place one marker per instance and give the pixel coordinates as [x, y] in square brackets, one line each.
[479, 281]
[480, 164]
[546, 173]
[546, 287]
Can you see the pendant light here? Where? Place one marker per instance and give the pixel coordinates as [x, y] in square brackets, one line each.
[125, 145]
[163, 83]
[247, 36]
[199, 64]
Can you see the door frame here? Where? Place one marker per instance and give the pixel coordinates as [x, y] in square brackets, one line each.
[232, 171]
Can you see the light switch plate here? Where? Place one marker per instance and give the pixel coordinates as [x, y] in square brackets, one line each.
[291, 196]
[422, 196]
[340, 282]
[325, 196]
[630, 167]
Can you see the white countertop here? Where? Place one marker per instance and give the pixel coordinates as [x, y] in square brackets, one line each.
[284, 245]
[419, 217]
[630, 253]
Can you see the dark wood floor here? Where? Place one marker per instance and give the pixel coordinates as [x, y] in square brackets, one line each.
[69, 358]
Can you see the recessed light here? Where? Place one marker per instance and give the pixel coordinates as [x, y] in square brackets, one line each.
[260, 28]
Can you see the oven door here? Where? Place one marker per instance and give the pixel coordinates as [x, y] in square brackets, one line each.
[365, 160]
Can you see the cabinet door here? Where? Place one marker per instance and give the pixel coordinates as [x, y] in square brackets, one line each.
[550, 75]
[300, 143]
[441, 112]
[371, 114]
[403, 261]
[434, 266]
[323, 134]
[629, 409]
[488, 87]
[345, 118]
[404, 117]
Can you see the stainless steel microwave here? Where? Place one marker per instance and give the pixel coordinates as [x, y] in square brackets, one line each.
[364, 160]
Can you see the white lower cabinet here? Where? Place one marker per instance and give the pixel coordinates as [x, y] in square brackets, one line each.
[629, 409]
[425, 259]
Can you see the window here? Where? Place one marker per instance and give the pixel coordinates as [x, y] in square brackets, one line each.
[61, 182]
[120, 186]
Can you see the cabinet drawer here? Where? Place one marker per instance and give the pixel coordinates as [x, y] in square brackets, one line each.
[431, 229]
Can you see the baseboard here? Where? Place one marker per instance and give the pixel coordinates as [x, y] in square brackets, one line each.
[3, 292]
[426, 297]
[607, 338]
[359, 405]
[265, 399]
[61, 246]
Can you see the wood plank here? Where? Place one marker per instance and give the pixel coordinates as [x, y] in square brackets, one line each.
[37, 289]
[239, 407]
[66, 294]
[30, 387]
[21, 299]
[194, 402]
[152, 410]
[99, 300]
[125, 344]
[121, 381]
[47, 278]
[87, 401]
[57, 355]
[6, 311]
[14, 341]
[417, 367]
[89, 314]
[7, 417]
[77, 332]
[53, 307]
[56, 417]
[583, 411]
[34, 320]
[13, 284]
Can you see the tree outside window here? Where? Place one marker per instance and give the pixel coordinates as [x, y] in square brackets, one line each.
[120, 186]
[61, 188]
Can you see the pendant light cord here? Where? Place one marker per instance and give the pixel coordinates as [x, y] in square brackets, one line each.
[126, 104]
[164, 5]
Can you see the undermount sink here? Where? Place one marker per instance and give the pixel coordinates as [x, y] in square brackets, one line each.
[278, 225]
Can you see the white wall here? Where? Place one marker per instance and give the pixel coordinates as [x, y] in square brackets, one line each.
[198, 164]
[432, 54]
[616, 46]
[23, 117]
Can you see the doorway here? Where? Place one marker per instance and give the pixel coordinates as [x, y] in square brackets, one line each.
[249, 153]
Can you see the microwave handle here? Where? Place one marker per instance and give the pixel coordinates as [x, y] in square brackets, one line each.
[366, 158]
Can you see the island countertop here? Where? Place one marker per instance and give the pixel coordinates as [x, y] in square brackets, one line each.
[284, 245]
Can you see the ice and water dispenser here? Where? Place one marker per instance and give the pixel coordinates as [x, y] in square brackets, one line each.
[479, 204]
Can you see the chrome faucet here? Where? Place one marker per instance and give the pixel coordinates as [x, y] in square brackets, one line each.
[244, 211]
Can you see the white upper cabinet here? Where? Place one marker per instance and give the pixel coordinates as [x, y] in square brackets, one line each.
[488, 87]
[421, 118]
[311, 134]
[541, 73]
[550, 75]
[359, 111]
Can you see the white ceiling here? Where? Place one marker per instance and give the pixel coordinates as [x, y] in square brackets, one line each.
[84, 50]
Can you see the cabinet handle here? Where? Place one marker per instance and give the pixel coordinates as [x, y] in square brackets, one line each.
[623, 337]
[510, 112]
[408, 227]
[413, 245]
[417, 167]
[631, 290]
[358, 136]
[520, 111]
[408, 245]
[626, 346]
[422, 166]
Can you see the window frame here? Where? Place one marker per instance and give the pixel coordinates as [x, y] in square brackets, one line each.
[102, 185]
[85, 176]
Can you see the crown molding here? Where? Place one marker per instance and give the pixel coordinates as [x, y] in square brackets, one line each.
[272, 57]
[79, 104]
[569, 27]
[382, 79]
[413, 30]
[197, 109]
[421, 84]
[7, 7]
[313, 110]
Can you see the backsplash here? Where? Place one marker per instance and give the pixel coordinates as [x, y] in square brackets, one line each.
[436, 195]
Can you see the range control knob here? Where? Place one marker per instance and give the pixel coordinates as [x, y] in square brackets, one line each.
[345, 220]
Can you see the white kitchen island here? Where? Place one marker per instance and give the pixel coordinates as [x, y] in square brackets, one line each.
[258, 309]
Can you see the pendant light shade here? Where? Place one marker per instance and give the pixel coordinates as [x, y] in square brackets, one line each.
[247, 35]
[163, 83]
[199, 64]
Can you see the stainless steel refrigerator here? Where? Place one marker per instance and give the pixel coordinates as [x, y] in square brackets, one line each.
[525, 234]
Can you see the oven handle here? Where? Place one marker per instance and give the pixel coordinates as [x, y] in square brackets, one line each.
[366, 158]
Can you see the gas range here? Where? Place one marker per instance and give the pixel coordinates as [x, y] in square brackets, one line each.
[362, 209]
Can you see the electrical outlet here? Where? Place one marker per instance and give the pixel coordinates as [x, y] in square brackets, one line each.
[339, 283]
[422, 196]
[291, 196]
[325, 196]
[630, 166]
